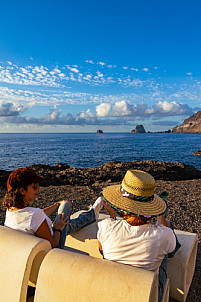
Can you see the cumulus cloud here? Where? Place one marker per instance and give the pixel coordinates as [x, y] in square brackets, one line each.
[121, 113]
[127, 95]
[169, 109]
[121, 108]
[103, 109]
[9, 109]
[87, 114]
[159, 110]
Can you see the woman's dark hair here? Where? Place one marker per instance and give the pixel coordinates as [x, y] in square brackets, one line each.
[14, 198]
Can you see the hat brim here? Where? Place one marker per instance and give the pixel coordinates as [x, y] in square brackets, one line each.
[153, 208]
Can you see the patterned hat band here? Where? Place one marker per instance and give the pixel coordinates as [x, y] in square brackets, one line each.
[135, 197]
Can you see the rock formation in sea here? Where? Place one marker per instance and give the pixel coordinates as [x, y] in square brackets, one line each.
[99, 131]
[197, 153]
[138, 129]
[190, 125]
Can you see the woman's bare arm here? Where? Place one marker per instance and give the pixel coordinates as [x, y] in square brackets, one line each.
[51, 209]
[44, 231]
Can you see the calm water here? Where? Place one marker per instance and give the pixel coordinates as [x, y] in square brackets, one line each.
[90, 150]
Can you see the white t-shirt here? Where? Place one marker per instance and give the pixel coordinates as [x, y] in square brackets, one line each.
[27, 220]
[141, 246]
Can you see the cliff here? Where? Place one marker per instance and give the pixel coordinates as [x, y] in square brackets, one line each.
[190, 125]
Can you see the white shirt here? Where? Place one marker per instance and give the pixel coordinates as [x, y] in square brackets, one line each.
[141, 246]
[27, 220]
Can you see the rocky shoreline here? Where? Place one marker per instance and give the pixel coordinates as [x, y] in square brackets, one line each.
[114, 171]
[82, 187]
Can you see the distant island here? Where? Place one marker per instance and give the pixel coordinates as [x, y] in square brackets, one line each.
[99, 131]
[138, 129]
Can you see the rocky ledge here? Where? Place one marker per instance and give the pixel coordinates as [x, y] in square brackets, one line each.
[114, 171]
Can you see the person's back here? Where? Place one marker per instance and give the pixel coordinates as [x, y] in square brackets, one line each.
[134, 240]
[141, 246]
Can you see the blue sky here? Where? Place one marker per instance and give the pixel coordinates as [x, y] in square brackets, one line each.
[79, 66]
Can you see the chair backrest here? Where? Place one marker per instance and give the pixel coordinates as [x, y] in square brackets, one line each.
[68, 276]
[20, 259]
[86, 238]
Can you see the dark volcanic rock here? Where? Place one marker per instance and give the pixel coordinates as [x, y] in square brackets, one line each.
[138, 129]
[197, 153]
[62, 174]
[3, 177]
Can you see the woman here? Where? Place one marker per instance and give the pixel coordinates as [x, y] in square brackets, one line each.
[135, 240]
[23, 187]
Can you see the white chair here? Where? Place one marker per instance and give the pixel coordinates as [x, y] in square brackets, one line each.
[180, 268]
[20, 258]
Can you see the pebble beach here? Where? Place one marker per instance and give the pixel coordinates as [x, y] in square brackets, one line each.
[184, 209]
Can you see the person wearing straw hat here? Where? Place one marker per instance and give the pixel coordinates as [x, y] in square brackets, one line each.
[134, 240]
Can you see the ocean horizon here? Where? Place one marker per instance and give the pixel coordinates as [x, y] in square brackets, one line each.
[90, 150]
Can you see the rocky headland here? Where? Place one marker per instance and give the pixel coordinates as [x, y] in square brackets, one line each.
[83, 186]
[190, 125]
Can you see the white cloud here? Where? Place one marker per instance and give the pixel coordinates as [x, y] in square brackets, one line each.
[103, 109]
[89, 61]
[99, 74]
[121, 113]
[74, 69]
[145, 69]
[170, 109]
[121, 108]
[111, 66]
[10, 109]
[132, 98]
[101, 63]
[87, 114]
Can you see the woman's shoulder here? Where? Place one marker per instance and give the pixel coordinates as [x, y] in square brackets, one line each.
[31, 210]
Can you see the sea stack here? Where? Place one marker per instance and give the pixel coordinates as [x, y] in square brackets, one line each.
[138, 129]
[99, 131]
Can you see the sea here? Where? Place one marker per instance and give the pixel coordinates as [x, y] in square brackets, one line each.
[90, 150]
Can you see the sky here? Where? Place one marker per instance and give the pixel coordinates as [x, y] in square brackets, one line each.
[79, 66]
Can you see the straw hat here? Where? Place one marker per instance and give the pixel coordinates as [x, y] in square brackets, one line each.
[135, 195]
